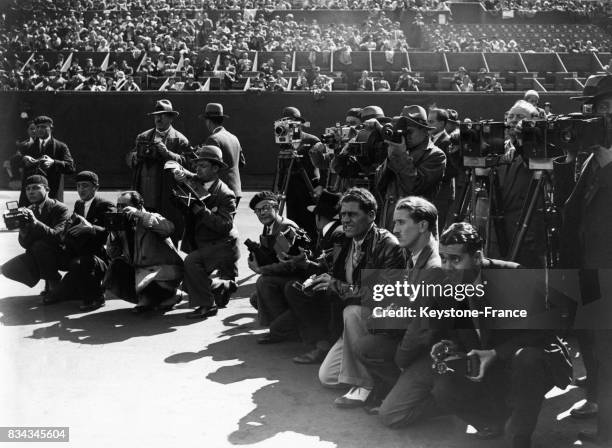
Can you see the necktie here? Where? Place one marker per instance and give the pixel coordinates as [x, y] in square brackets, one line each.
[37, 211]
[356, 256]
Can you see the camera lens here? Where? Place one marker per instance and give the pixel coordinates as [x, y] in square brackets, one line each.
[279, 130]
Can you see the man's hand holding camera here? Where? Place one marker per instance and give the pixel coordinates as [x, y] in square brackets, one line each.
[399, 157]
[83, 227]
[321, 283]
[487, 357]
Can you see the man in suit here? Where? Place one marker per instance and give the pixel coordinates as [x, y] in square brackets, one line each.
[229, 144]
[39, 236]
[145, 266]
[48, 157]
[365, 247]
[586, 244]
[84, 256]
[438, 119]
[211, 236]
[153, 148]
[319, 323]
[515, 371]
[398, 359]
[413, 167]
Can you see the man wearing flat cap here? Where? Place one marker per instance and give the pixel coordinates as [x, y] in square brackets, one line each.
[586, 244]
[229, 144]
[298, 192]
[45, 220]
[48, 157]
[413, 167]
[152, 150]
[210, 239]
[84, 256]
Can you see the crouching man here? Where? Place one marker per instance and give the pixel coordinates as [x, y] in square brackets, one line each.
[39, 234]
[146, 268]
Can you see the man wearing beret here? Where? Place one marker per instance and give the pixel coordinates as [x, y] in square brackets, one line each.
[84, 255]
[45, 220]
[229, 144]
[210, 239]
[48, 157]
[152, 150]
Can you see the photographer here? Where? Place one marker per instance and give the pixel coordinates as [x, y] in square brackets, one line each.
[365, 247]
[145, 267]
[48, 157]
[414, 166]
[438, 119]
[319, 320]
[298, 194]
[152, 149]
[360, 157]
[39, 234]
[516, 367]
[229, 144]
[272, 307]
[83, 240]
[210, 239]
[585, 244]
[515, 180]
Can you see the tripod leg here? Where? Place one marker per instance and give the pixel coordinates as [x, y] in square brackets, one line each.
[531, 202]
[497, 215]
[462, 210]
[283, 198]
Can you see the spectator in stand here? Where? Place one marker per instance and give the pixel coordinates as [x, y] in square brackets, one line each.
[365, 83]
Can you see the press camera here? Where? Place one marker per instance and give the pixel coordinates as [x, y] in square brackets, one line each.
[447, 359]
[116, 221]
[15, 217]
[287, 131]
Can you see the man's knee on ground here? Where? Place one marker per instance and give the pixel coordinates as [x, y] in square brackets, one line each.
[327, 377]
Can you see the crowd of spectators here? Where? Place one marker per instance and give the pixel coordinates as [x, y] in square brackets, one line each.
[585, 7]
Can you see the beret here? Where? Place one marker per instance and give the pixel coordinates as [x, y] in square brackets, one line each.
[263, 196]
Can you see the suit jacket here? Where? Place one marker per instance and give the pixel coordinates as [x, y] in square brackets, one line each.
[153, 256]
[92, 242]
[267, 242]
[214, 222]
[232, 156]
[49, 227]
[422, 177]
[63, 164]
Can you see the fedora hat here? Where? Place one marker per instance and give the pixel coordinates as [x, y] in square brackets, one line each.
[164, 107]
[595, 86]
[374, 112]
[416, 116]
[213, 110]
[327, 204]
[210, 153]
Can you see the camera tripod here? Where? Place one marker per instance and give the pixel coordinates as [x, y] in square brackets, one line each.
[481, 203]
[284, 171]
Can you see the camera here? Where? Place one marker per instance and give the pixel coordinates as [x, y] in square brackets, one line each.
[291, 241]
[577, 132]
[287, 132]
[116, 221]
[447, 359]
[357, 149]
[15, 217]
[482, 138]
[337, 135]
[261, 255]
[306, 286]
[395, 132]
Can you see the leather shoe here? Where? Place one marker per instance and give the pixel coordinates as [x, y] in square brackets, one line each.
[269, 338]
[594, 438]
[580, 382]
[315, 356]
[489, 432]
[223, 298]
[355, 398]
[91, 305]
[587, 410]
[202, 312]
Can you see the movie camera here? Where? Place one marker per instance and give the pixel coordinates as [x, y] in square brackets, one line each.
[287, 131]
[482, 142]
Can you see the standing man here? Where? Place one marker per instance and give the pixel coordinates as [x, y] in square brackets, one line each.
[211, 237]
[220, 137]
[48, 157]
[438, 119]
[40, 236]
[152, 150]
[84, 255]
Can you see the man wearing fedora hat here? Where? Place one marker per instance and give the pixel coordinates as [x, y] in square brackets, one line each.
[152, 150]
[586, 240]
[229, 144]
[414, 167]
[210, 239]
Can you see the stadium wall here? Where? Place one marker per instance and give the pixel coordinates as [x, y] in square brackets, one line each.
[100, 128]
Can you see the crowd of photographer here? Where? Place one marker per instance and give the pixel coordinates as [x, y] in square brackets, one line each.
[375, 192]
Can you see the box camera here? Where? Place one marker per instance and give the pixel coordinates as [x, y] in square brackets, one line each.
[15, 217]
[287, 132]
[447, 359]
[482, 138]
[395, 132]
[577, 132]
[116, 221]
[146, 149]
[261, 255]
